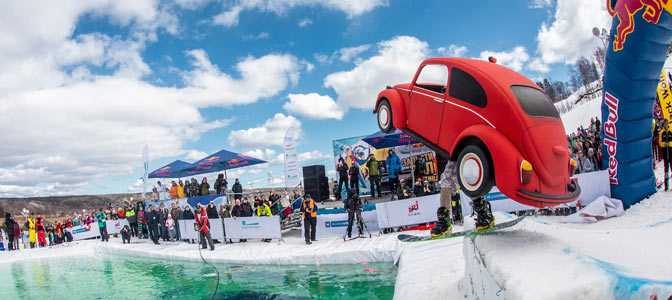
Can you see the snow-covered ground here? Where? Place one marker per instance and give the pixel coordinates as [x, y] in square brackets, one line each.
[581, 113]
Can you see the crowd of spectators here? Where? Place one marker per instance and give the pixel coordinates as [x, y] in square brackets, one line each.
[585, 147]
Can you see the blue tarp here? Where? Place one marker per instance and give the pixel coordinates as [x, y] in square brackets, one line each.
[381, 140]
[171, 170]
[220, 161]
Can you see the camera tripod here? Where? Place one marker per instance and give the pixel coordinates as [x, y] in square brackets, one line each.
[361, 226]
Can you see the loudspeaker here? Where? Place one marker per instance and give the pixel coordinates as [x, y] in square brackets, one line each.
[317, 187]
[313, 171]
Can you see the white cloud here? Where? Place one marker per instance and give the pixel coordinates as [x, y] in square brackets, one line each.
[538, 65]
[539, 3]
[305, 22]
[195, 155]
[515, 58]
[313, 106]
[271, 133]
[347, 54]
[570, 35]
[136, 187]
[259, 78]
[269, 155]
[352, 8]
[260, 36]
[452, 51]
[395, 62]
[312, 155]
[191, 4]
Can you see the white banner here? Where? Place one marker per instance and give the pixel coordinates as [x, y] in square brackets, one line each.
[145, 164]
[593, 185]
[253, 228]
[187, 230]
[85, 231]
[291, 160]
[115, 226]
[407, 212]
[337, 224]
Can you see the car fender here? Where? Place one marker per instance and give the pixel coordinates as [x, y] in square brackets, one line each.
[397, 105]
[503, 153]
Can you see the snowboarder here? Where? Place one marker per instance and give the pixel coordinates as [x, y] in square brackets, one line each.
[665, 142]
[449, 186]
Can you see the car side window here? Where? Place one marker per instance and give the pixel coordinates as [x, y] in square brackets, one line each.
[465, 87]
[433, 78]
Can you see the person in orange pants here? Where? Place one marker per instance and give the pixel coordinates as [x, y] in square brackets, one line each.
[40, 231]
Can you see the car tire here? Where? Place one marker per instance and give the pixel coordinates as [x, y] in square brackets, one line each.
[385, 117]
[473, 172]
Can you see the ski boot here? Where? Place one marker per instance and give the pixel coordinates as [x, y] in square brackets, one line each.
[484, 218]
[443, 227]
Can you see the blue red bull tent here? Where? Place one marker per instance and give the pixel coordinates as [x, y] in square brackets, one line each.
[381, 140]
[171, 170]
[220, 161]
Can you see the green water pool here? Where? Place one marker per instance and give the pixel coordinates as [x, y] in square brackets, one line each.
[127, 277]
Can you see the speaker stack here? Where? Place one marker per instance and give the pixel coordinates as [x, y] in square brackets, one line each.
[315, 182]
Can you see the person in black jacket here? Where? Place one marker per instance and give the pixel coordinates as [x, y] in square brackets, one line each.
[211, 211]
[221, 185]
[238, 211]
[237, 190]
[247, 208]
[164, 214]
[354, 177]
[9, 225]
[187, 214]
[351, 205]
[153, 224]
[342, 170]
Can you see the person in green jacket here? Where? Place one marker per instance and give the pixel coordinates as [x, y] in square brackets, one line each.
[374, 175]
[101, 217]
[205, 187]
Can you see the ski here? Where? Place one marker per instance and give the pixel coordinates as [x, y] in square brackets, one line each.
[415, 238]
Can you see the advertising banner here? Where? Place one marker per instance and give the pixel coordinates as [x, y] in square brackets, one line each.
[337, 224]
[253, 227]
[115, 226]
[407, 212]
[85, 231]
[593, 185]
[187, 230]
[291, 159]
[182, 202]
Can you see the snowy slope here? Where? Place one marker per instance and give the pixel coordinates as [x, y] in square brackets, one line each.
[581, 113]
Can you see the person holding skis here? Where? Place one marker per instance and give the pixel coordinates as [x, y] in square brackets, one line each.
[665, 143]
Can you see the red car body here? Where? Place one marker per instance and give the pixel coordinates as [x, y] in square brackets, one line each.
[522, 141]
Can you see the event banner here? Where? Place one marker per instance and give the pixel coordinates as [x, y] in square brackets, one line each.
[253, 227]
[291, 159]
[664, 93]
[192, 201]
[115, 226]
[187, 230]
[82, 232]
[593, 185]
[407, 212]
[337, 224]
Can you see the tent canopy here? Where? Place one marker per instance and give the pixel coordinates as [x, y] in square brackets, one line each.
[221, 161]
[380, 140]
[171, 170]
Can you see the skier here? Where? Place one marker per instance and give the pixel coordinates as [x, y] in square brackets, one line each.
[665, 142]
[449, 186]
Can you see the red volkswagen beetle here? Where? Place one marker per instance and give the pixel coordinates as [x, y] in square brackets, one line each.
[498, 126]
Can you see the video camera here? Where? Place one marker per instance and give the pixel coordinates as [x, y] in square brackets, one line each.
[353, 199]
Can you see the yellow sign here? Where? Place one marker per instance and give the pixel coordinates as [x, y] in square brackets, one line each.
[665, 95]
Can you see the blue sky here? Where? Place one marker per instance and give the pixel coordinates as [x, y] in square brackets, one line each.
[85, 85]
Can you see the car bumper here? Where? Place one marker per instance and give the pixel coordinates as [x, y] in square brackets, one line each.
[573, 188]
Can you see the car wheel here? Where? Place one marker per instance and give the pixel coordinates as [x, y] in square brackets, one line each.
[473, 172]
[385, 117]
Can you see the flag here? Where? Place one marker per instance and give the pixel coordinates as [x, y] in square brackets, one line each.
[145, 164]
[291, 160]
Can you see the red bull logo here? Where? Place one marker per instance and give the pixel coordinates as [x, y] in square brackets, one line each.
[163, 170]
[209, 160]
[625, 11]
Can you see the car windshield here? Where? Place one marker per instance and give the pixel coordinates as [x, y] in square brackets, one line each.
[534, 102]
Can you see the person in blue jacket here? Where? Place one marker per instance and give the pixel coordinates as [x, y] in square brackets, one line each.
[393, 164]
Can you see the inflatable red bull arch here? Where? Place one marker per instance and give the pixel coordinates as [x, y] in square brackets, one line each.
[641, 32]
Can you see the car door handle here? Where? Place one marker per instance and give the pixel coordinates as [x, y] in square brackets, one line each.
[438, 100]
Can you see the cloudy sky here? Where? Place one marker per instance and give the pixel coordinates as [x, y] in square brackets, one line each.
[84, 85]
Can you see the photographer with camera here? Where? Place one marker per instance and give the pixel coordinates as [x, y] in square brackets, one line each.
[352, 206]
[309, 218]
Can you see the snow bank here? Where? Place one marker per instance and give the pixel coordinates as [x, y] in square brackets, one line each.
[581, 114]
[619, 258]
